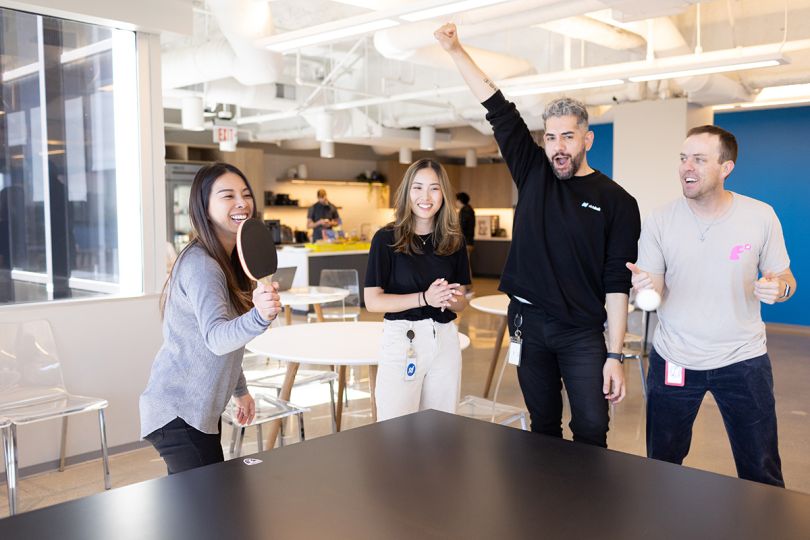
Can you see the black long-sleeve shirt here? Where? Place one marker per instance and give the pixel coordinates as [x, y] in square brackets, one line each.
[571, 238]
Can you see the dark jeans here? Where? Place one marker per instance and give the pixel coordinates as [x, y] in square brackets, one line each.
[744, 395]
[554, 353]
[183, 447]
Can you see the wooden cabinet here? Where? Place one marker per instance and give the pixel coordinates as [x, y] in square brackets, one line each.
[248, 160]
[489, 185]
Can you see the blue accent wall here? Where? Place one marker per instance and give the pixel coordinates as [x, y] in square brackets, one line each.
[772, 166]
[600, 156]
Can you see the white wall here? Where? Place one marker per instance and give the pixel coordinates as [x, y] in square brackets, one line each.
[144, 15]
[106, 348]
[358, 204]
[647, 139]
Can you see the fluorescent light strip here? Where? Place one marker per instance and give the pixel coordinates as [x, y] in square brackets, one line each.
[532, 90]
[455, 7]
[761, 104]
[332, 35]
[704, 71]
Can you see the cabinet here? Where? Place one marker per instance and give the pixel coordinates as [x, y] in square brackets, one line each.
[248, 160]
[489, 185]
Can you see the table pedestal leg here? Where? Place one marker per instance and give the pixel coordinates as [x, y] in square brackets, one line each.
[341, 390]
[318, 312]
[372, 384]
[286, 390]
[288, 315]
[496, 356]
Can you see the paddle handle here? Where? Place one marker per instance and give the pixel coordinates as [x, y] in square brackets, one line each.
[267, 281]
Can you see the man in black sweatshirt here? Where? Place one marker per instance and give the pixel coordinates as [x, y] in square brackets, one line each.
[573, 229]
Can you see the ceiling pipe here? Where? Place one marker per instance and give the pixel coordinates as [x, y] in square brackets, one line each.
[241, 22]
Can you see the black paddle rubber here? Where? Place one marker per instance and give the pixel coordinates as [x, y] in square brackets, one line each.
[257, 251]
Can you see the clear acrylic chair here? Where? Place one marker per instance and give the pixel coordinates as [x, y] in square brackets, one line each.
[32, 390]
[268, 408]
[349, 307]
[490, 411]
[259, 374]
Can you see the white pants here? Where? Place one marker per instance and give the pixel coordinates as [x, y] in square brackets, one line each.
[437, 381]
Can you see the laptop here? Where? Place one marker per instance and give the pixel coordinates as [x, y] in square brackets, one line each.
[285, 277]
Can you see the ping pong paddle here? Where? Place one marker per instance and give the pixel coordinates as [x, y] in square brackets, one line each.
[257, 251]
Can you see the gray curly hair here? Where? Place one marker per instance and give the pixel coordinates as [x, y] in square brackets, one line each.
[566, 106]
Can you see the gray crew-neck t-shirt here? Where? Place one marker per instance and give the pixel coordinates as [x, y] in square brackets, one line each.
[709, 317]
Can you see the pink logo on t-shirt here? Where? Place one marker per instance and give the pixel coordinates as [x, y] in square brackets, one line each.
[737, 250]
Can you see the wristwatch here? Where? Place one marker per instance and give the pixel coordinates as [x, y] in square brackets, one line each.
[616, 356]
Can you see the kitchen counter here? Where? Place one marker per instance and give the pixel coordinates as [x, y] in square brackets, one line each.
[309, 263]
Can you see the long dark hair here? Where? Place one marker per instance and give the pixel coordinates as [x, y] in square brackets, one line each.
[446, 231]
[203, 235]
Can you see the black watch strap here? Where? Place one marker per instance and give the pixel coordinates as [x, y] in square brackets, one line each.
[616, 356]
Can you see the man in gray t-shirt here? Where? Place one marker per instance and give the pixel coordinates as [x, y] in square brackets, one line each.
[713, 256]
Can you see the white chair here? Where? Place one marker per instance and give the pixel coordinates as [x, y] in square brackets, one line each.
[267, 409]
[259, 375]
[490, 411]
[349, 307]
[32, 390]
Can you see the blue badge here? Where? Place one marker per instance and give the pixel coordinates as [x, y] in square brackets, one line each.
[411, 369]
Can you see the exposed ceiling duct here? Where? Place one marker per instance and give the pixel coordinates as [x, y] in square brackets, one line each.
[593, 31]
[241, 22]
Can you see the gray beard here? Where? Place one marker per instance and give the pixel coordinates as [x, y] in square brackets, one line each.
[576, 161]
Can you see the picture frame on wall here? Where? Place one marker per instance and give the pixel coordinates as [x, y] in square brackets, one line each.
[483, 226]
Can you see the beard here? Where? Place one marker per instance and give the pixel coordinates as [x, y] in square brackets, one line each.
[574, 161]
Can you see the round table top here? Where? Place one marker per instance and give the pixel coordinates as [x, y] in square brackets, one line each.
[497, 304]
[311, 295]
[334, 343]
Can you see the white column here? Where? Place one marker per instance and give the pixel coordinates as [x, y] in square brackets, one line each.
[647, 139]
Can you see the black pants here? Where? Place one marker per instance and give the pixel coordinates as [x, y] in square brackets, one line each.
[183, 447]
[554, 353]
[744, 394]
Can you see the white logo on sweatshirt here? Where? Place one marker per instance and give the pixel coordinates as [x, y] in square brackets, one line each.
[591, 206]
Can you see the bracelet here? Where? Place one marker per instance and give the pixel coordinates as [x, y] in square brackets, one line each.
[425, 299]
[787, 290]
[418, 300]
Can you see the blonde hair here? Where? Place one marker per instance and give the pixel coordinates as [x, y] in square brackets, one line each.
[447, 237]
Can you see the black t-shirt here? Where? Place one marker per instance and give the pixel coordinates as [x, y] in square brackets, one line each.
[320, 211]
[398, 273]
[571, 238]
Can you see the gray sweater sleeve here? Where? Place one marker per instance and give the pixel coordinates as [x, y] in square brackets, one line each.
[204, 284]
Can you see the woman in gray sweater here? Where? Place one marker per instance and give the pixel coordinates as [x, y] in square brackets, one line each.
[210, 311]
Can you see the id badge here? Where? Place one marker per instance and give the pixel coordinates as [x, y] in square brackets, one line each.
[410, 358]
[675, 375]
[515, 346]
[410, 365]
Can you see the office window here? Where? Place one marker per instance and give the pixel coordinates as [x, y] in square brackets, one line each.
[68, 106]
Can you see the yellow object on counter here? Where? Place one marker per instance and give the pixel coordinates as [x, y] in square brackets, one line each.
[340, 246]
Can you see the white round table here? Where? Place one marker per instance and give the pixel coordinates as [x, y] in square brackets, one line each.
[335, 343]
[312, 295]
[494, 304]
[498, 304]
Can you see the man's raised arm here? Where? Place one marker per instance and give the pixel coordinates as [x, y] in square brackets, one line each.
[482, 86]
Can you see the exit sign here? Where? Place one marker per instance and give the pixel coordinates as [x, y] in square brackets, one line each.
[226, 137]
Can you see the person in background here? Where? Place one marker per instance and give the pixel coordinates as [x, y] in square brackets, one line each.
[565, 273]
[714, 256]
[210, 310]
[417, 271]
[322, 216]
[466, 220]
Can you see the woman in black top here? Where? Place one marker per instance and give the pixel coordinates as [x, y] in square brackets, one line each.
[417, 273]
